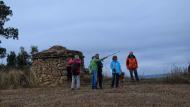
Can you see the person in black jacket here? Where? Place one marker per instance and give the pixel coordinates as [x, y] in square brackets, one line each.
[100, 76]
[189, 68]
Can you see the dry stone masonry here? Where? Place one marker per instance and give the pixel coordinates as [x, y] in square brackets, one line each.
[50, 65]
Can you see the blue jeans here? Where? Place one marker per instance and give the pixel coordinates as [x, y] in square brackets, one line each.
[94, 79]
[136, 74]
[75, 82]
[115, 80]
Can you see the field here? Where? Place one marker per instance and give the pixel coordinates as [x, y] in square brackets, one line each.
[131, 94]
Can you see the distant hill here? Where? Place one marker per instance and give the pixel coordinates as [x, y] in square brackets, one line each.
[155, 76]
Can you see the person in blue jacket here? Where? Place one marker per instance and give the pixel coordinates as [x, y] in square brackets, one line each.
[116, 71]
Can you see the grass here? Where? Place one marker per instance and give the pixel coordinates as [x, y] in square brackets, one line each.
[15, 78]
[178, 75]
[130, 95]
[170, 91]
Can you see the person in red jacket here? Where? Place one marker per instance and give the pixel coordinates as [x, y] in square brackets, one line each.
[75, 69]
[69, 73]
[132, 65]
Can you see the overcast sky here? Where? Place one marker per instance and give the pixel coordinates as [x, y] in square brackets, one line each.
[158, 31]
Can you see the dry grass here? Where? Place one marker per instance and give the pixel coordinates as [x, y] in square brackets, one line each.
[131, 95]
[177, 75]
[146, 93]
[15, 78]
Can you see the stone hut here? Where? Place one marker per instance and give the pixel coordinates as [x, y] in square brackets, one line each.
[50, 65]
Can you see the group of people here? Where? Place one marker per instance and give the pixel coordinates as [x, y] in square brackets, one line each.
[95, 69]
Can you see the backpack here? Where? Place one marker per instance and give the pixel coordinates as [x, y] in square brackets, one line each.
[75, 67]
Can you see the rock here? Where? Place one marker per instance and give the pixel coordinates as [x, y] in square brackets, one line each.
[50, 65]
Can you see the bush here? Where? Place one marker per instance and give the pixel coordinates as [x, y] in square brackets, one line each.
[23, 58]
[178, 75]
[11, 59]
[17, 79]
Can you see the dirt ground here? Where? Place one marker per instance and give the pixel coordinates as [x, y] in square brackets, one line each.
[130, 95]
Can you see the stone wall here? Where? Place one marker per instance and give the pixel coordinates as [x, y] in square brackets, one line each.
[50, 66]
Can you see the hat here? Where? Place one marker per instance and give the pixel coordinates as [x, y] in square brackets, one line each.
[76, 57]
[131, 52]
[97, 56]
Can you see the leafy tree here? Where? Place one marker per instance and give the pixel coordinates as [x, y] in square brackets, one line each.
[11, 59]
[34, 49]
[23, 58]
[6, 32]
[5, 13]
[2, 52]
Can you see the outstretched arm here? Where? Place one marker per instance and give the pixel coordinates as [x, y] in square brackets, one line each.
[103, 58]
